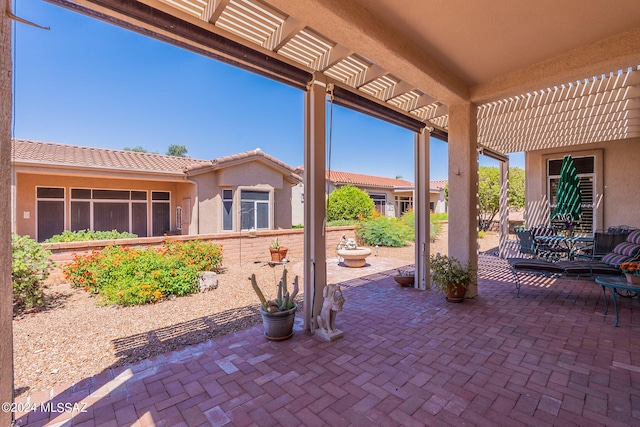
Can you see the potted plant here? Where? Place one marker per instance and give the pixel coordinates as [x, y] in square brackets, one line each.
[278, 252]
[404, 278]
[632, 271]
[451, 276]
[278, 315]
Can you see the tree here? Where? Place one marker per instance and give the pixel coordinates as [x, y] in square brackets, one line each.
[349, 203]
[489, 193]
[177, 150]
[137, 149]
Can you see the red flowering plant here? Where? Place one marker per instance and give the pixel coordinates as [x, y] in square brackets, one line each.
[632, 268]
[130, 276]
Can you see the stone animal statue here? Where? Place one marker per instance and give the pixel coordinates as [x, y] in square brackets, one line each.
[333, 301]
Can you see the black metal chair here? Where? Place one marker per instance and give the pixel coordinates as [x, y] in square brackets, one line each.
[527, 242]
[552, 250]
[604, 242]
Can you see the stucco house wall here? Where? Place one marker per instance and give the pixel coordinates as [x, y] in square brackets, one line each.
[26, 211]
[616, 182]
[195, 187]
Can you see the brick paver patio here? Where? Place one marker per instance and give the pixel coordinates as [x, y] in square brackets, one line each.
[407, 358]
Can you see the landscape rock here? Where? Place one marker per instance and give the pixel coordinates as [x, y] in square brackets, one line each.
[208, 281]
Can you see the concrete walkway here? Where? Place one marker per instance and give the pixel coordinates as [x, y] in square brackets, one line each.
[407, 358]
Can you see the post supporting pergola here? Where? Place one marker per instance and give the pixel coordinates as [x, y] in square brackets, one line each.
[6, 287]
[421, 209]
[503, 213]
[463, 186]
[315, 258]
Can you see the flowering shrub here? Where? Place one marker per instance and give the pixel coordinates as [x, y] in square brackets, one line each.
[30, 267]
[131, 276]
[205, 256]
[631, 268]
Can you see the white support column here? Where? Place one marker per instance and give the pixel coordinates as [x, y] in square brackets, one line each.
[315, 265]
[421, 209]
[463, 186]
[6, 288]
[503, 222]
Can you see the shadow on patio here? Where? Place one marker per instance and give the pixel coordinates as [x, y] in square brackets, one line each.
[407, 358]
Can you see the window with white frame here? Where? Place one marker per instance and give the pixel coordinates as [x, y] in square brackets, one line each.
[380, 202]
[404, 203]
[254, 209]
[585, 167]
[160, 212]
[49, 211]
[106, 210]
[227, 210]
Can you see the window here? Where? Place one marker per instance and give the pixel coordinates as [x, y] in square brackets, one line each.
[227, 210]
[585, 167]
[404, 203]
[160, 212]
[380, 201]
[50, 212]
[106, 210]
[179, 218]
[254, 209]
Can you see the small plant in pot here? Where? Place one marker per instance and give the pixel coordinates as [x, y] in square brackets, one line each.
[404, 277]
[451, 276]
[278, 315]
[278, 252]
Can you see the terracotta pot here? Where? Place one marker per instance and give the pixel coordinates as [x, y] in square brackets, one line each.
[455, 294]
[404, 280]
[278, 326]
[277, 255]
[635, 280]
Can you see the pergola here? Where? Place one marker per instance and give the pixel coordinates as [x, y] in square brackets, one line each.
[488, 76]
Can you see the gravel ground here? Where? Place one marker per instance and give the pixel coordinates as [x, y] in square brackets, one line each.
[74, 338]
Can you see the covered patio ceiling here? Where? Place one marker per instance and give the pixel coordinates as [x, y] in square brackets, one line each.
[543, 74]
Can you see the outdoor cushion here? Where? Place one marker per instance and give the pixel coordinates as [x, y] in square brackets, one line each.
[534, 265]
[627, 249]
[575, 267]
[634, 237]
[581, 268]
[616, 259]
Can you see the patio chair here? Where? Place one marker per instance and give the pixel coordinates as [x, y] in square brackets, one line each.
[527, 242]
[604, 242]
[551, 251]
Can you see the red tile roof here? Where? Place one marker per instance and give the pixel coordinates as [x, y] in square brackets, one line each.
[438, 184]
[53, 154]
[362, 180]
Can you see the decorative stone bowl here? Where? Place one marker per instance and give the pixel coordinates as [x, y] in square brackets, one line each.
[354, 258]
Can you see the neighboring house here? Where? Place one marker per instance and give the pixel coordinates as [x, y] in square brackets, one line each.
[392, 197]
[59, 187]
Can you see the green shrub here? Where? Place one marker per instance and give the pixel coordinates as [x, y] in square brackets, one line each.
[30, 267]
[384, 231]
[349, 203]
[131, 276]
[409, 218]
[442, 216]
[88, 235]
[342, 222]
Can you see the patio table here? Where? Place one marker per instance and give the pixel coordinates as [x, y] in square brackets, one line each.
[571, 244]
[619, 286]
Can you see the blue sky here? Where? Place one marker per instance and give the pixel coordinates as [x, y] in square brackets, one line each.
[86, 82]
